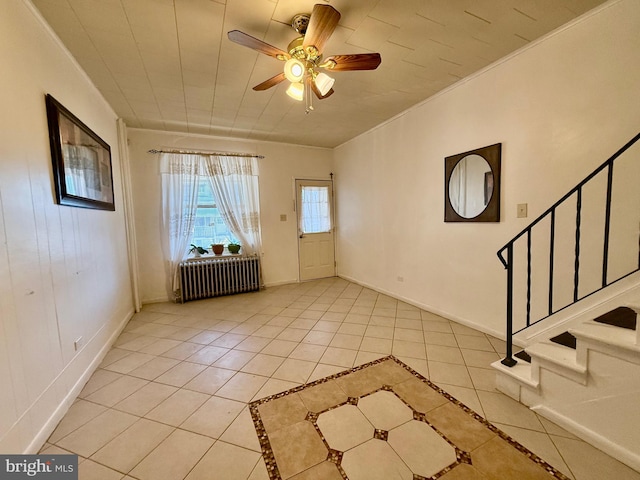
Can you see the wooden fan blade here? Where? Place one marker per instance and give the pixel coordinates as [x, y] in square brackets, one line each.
[359, 61]
[315, 89]
[272, 82]
[324, 20]
[246, 40]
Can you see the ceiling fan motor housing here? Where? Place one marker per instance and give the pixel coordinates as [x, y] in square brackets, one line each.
[300, 22]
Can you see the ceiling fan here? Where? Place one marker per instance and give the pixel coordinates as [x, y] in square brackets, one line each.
[305, 56]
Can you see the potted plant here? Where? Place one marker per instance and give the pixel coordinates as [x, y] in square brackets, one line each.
[217, 248]
[197, 251]
[233, 247]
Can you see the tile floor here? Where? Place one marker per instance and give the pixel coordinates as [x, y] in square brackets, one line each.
[170, 400]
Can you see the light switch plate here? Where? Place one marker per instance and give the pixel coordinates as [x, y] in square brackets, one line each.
[522, 210]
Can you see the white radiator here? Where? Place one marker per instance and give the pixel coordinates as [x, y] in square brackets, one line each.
[212, 277]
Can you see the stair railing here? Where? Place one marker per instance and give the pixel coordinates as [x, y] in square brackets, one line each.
[526, 235]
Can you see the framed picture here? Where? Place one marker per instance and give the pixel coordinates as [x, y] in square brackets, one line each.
[82, 172]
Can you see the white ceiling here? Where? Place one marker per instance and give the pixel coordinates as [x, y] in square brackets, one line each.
[168, 64]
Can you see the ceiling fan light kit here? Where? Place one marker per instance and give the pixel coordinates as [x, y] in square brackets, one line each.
[304, 56]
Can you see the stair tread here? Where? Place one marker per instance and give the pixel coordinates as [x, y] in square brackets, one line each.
[607, 334]
[524, 356]
[623, 317]
[565, 339]
[560, 355]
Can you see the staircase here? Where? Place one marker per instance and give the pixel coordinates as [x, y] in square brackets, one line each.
[581, 369]
[587, 380]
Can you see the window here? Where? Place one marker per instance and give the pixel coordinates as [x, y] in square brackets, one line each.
[314, 215]
[209, 227]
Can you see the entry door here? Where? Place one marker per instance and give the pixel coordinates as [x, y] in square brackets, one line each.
[315, 229]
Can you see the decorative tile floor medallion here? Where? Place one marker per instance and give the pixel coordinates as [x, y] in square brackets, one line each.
[382, 420]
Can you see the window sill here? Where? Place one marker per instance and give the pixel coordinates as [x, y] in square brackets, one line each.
[208, 256]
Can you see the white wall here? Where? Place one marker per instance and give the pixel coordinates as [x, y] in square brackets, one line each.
[281, 165]
[560, 108]
[63, 270]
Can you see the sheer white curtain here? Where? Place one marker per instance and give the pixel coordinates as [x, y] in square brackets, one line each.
[234, 181]
[180, 174]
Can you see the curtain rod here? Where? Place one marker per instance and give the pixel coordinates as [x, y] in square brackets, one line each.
[196, 152]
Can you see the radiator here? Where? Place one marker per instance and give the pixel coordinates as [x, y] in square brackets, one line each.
[212, 277]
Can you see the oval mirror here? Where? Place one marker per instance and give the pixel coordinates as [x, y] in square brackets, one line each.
[470, 186]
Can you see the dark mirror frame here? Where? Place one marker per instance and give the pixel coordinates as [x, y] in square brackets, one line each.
[493, 155]
[55, 111]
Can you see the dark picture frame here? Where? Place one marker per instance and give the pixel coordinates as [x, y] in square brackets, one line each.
[82, 169]
[487, 192]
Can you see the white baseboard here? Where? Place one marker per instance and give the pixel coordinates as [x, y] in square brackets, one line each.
[614, 450]
[430, 308]
[49, 426]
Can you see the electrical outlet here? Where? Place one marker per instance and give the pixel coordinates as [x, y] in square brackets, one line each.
[522, 210]
[77, 345]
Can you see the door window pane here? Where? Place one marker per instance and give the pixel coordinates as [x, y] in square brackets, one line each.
[314, 214]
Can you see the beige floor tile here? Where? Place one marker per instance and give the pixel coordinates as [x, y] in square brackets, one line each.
[96, 433]
[227, 325]
[341, 357]
[378, 331]
[268, 331]
[273, 386]
[435, 326]
[183, 351]
[341, 340]
[174, 457]
[246, 328]
[420, 447]
[380, 321]
[281, 348]
[213, 417]
[114, 355]
[146, 399]
[294, 370]
[366, 357]
[449, 374]
[318, 338]
[384, 312]
[323, 370]
[502, 409]
[242, 387]
[253, 344]
[538, 443]
[90, 470]
[376, 345]
[345, 427]
[409, 349]
[99, 379]
[294, 457]
[293, 334]
[78, 414]
[375, 460]
[308, 351]
[237, 463]
[242, 432]
[178, 407]
[326, 326]
[279, 321]
[208, 355]
[589, 463]
[234, 360]
[210, 380]
[553, 429]
[205, 337]
[160, 346]
[464, 330]
[468, 396]
[409, 324]
[439, 353]
[418, 364]
[117, 390]
[473, 342]
[228, 340]
[181, 374]
[480, 359]
[440, 338]
[385, 410]
[483, 378]
[263, 364]
[352, 329]
[303, 323]
[408, 335]
[126, 450]
[353, 317]
[138, 343]
[154, 368]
